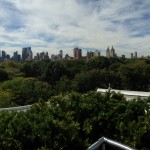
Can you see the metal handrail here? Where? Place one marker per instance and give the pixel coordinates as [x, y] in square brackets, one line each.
[110, 142]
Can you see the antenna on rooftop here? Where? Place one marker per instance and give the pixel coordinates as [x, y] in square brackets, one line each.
[109, 88]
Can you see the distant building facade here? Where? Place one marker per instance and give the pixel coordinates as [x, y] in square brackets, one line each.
[3, 54]
[67, 57]
[91, 54]
[97, 53]
[27, 53]
[61, 54]
[77, 53]
[110, 52]
[135, 54]
[16, 56]
[58, 56]
[131, 55]
[41, 56]
[123, 56]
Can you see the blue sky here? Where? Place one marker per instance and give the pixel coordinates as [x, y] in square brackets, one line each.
[51, 25]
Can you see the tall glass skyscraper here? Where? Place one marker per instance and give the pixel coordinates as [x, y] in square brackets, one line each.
[27, 53]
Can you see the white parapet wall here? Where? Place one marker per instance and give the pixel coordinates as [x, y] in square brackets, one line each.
[19, 108]
[128, 94]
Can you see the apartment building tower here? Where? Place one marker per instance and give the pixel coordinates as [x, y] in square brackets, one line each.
[77, 53]
[110, 52]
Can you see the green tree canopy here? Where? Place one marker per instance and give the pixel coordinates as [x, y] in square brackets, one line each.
[27, 90]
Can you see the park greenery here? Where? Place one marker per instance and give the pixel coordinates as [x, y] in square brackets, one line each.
[76, 115]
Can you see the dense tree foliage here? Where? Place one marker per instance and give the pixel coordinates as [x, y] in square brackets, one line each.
[13, 69]
[72, 75]
[27, 90]
[7, 98]
[48, 71]
[75, 121]
[131, 74]
[3, 75]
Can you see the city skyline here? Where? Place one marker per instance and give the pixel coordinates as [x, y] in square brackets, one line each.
[48, 25]
[27, 54]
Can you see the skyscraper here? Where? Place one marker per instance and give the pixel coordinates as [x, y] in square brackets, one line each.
[131, 55]
[90, 54]
[108, 52]
[97, 53]
[77, 53]
[112, 52]
[61, 54]
[27, 53]
[3, 54]
[135, 54]
[15, 57]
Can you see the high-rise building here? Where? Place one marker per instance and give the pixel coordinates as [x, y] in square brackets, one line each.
[15, 56]
[108, 52]
[67, 57]
[0, 53]
[90, 54]
[97, 53]
[3, 54]
[61, 54]
[27, 53]
[41, 56]
[123, 56]
[131, 55]
[112, 52]
[135, 54]
[7, 57]
[46, 55]
[77, 53]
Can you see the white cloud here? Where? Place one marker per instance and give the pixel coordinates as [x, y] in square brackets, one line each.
[63, 24]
